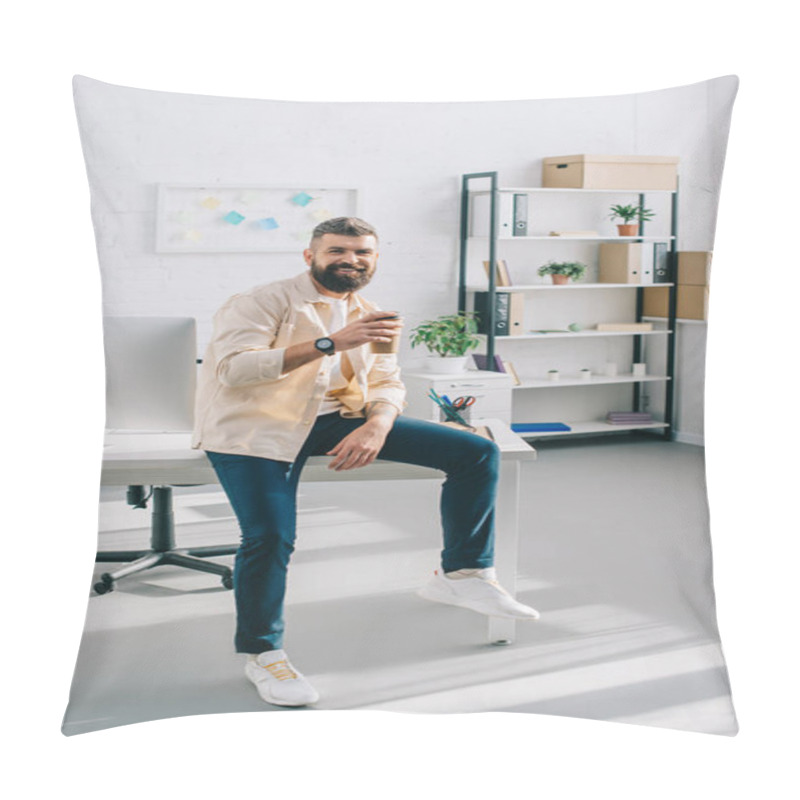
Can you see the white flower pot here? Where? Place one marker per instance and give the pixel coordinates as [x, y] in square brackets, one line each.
[447, 365]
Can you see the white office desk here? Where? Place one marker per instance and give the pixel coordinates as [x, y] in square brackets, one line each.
[166, 459]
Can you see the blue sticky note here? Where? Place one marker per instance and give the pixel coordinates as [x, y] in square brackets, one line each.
[302, 199]
[234, 217]
[268, 224]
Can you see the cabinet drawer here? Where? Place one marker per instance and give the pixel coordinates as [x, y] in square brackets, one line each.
[470, 385]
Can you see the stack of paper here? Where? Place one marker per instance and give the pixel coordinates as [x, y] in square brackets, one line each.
[629, 418]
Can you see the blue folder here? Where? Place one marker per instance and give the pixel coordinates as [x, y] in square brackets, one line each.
[532, 427]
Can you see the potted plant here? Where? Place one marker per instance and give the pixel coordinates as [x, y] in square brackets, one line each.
[627, 214]
[561, 271]
[449, 339]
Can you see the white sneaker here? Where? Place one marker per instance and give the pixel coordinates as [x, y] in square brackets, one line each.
[479, 592]
[277, 681]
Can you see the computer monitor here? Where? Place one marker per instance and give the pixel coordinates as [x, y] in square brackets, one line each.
[151, 373]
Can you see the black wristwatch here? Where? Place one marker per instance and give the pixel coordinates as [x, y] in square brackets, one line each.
[325, 345]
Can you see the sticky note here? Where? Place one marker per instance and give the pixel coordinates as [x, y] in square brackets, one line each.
[193, 236]
[234, 217]
[321, 214]
[302, 199]
[268, 224]
[210, 203]
[248, 197]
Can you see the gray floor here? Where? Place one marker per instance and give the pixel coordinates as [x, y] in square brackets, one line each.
[614, 552]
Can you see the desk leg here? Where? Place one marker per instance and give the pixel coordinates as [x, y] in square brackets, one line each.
[501, 631]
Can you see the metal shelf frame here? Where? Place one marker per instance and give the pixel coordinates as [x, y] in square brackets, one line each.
[672, 261]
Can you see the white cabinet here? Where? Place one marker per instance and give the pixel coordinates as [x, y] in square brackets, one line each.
[491, 390]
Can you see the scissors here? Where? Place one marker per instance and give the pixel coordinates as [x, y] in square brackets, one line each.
[460, 403]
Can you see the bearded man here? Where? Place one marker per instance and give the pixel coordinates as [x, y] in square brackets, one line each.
[289, 373]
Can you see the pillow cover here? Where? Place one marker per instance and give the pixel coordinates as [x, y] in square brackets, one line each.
[196, 199]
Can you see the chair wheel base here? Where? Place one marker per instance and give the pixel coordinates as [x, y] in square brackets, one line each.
[104, 585]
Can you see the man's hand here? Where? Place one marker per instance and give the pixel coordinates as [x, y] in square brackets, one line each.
[372, 327]
[361, 446]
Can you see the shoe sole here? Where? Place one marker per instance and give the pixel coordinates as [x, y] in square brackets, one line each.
[426, 593]
[274, 702]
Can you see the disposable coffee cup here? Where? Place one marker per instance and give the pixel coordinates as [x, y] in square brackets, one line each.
[380, 348]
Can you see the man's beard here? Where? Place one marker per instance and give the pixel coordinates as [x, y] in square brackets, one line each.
[339, 282]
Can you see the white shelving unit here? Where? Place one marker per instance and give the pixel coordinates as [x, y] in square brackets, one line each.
[562, 190]
[580, 238]
[592, 427]
[592, 334]
[509, 344]
[596, 380]
[537, 287]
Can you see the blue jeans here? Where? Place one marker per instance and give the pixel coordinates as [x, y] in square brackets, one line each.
[263, 495]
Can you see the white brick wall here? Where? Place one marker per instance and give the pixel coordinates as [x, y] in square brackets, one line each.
[406, 157]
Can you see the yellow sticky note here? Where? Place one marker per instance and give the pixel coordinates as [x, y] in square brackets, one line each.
[321, 214]
[210, 203]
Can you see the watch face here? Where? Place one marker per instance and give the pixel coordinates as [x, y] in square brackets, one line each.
[325, 345]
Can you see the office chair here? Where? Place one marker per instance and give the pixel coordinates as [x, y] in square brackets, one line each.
[151, 374]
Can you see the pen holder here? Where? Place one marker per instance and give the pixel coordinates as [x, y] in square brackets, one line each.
[464, 413]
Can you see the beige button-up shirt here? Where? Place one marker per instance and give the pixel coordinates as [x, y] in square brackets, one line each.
[247, 405]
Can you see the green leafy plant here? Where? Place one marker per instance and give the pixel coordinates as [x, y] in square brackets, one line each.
[572, 269]
[629, 213]
[448, 335]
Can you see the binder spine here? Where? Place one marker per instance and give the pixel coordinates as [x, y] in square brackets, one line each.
[502, 302]
[661, 263]
[520, 215]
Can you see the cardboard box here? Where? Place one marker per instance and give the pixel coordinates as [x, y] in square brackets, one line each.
[632, 327]
[694, 267]
[610, 172]
[692, 302]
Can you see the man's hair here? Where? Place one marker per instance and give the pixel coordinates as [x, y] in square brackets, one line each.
[343, 226]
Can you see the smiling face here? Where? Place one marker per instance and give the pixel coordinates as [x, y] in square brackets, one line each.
[341, 264]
